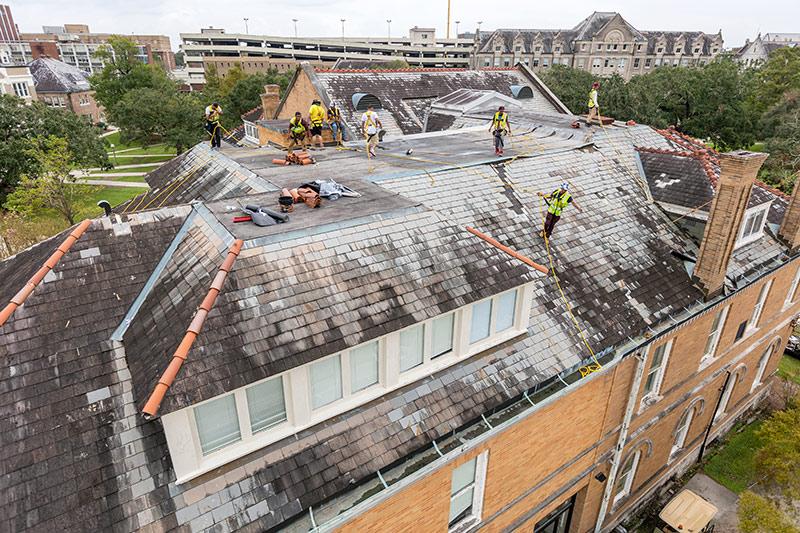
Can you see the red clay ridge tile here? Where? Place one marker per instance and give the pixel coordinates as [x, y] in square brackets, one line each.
[502, 247]
[51, 262]
[182, 352]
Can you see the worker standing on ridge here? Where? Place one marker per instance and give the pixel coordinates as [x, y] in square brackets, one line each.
[500, 127]
[336, 124]
[370, 125]
[594, 106]
[316, 114]
[556, 202]
[213, 113]
[298, 129]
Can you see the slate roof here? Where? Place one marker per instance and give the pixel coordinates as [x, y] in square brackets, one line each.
[406, 95]
[54, 76]
[76, 456]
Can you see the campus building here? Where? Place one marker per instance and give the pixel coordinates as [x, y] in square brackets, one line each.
[76, 45]
[756, 52]
[261, 52]
[8, 28]
[603, 43]
[16, 80]
[414, 358]
[63, 86]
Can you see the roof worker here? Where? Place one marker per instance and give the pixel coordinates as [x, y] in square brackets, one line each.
[556, 202]
[370, 125]
[500, 126]
[316, 114]
[594, 106]
[298, 130]
[336, 124]
[213, 113]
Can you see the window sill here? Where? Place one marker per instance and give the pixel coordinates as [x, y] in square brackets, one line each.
[467, 524]
[649, 401]
[707, 361]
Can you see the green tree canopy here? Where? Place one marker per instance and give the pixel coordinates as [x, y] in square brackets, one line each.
[780, 74]
[50, 185]
[759, 515]
[779, 459]
[20, 124]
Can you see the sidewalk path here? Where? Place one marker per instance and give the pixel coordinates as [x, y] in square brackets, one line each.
[111, 183]
[123, 167]
[726, 501]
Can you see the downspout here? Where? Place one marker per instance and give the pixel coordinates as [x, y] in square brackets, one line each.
[713, 416]
[623, 436]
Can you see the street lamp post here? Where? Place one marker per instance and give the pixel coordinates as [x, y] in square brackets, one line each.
[246, 29]
[343, 42]
[295, 27]
[457, 23]
[389, 30]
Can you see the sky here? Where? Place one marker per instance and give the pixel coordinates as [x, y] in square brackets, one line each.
[737, 19]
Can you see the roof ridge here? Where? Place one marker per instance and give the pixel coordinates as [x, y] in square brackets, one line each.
[380, 70]
[51, 262]
[251, 110]
[181, 353]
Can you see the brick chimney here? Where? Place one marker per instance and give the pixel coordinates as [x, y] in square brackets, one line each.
[738, 170]
[789, 231]
[270, 100]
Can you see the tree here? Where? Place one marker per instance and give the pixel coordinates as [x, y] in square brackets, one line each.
[394, 64]
[759, 515]
[20, 124]
[780, 74]
[571, 85]
[246, 95]
[780, 126]
[51, 186]
[779, 459]
[148, 115]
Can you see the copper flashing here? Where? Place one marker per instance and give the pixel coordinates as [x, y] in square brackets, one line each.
[182, 352]
[516, 255]
[51, 262]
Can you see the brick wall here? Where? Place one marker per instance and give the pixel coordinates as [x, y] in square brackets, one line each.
[554, 453]
[299, 98]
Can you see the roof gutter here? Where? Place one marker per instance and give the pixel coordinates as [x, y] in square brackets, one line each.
[51, 262]
[181, 354]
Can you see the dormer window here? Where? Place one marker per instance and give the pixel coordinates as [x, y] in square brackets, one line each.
[558, 48]
[538, 49]
[753, 225]
[497, 48]
[219, 430]
[518, 48]
[660, 49]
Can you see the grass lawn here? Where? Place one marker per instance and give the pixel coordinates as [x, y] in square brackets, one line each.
[152, 149]
[788, 366]
[114, 195]
[733, 463]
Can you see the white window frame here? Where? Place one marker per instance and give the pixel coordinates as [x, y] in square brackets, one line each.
[792, 294]
[711, 354]
[183, 441]
[681, 433]
[754, 234]
[758, 308]
[652, 396]
[626, 488]
[762, 365]
[474, 517]
[21, 89]
[726, 397]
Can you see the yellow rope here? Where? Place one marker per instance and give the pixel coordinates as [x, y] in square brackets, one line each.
[589, 368]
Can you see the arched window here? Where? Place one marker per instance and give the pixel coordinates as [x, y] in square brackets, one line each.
[736, 375]
[625, 476]
[521, 92]
[361, 101]
[681, 432]
[762, 363]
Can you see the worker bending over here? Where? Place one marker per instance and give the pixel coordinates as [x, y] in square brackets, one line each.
[316, 114]
[370, 125]
[499, 128]
[213, 113]
[336, 124]
[298, 129]
[556, 202]
[594, 106]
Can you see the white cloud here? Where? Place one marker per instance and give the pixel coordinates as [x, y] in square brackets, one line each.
[737, 19]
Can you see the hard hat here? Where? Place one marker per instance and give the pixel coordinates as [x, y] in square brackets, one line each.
[564, 186]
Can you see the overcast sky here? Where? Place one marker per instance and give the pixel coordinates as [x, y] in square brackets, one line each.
[737, 19]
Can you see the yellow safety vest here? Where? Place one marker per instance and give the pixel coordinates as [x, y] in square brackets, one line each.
[335, 115]
[592, 98]
[558, 201]
[500, 121]
[213, 115]
[297, 128]
[317, 115]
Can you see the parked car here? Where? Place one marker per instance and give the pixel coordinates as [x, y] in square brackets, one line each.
[793, 346]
